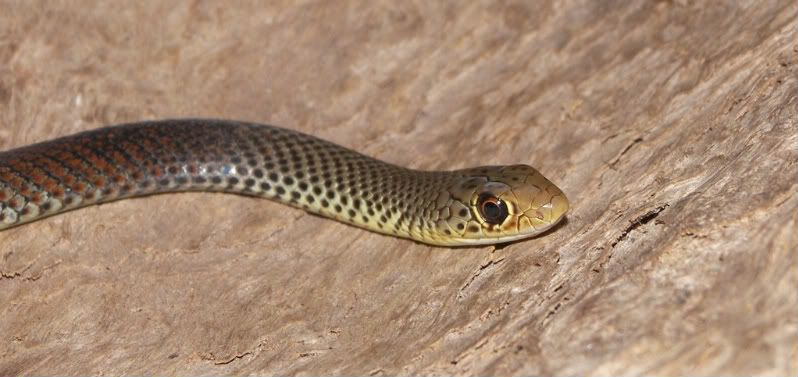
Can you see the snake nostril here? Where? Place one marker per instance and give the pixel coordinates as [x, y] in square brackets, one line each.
[559, 206]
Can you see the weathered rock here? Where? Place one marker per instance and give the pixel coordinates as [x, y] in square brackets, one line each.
[671, 125]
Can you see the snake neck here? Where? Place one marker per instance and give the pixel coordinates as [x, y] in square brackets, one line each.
[187, 155]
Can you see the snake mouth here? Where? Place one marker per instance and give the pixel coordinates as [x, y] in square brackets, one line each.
[531, 232]
[545, 227]
[487, 241]
[527, 227]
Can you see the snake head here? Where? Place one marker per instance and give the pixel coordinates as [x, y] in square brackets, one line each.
[495, 204]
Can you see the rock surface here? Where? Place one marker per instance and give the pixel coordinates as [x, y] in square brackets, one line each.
[671, 125]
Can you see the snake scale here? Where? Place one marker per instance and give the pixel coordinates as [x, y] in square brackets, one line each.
[483, 205]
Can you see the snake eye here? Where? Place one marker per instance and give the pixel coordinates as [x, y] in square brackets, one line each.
[492, 209]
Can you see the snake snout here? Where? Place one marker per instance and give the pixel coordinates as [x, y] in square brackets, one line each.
[558, 206]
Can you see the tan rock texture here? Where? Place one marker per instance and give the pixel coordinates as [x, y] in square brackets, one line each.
[671, 125]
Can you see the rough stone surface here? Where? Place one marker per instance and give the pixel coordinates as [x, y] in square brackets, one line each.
[671, 125]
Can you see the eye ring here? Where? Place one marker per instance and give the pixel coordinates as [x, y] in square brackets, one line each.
[492, 209]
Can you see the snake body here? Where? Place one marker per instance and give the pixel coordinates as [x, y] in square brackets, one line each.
[484, 205]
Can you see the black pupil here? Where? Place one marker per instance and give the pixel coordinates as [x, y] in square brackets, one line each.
[493, 210]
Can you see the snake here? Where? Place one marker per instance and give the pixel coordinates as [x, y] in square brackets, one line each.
[483, 205]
